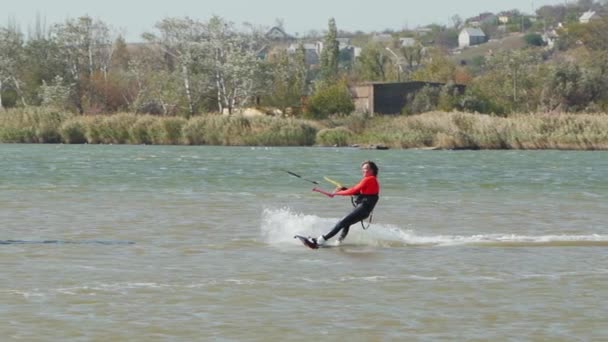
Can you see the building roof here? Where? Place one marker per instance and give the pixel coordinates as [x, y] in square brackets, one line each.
[277, 33]
[473, 32]
[587, 16]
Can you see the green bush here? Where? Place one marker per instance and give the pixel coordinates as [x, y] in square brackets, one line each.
[328, 100]
[339, 136]
[171, 130]
[145, 130]
[73, 131]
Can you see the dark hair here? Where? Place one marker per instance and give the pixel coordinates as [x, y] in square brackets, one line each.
[372, 165]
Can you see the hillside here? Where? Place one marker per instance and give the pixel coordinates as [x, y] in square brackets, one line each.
[512, 42]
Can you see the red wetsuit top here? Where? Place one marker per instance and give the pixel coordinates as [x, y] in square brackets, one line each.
[367, 186]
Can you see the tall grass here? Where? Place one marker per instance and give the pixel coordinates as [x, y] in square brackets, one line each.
[34, 125]
[435, 130]
[475, 131]
[256, 131]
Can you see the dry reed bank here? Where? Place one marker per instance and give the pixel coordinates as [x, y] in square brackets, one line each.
[430, 130]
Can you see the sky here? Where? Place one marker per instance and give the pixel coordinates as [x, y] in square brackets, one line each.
[134, 17]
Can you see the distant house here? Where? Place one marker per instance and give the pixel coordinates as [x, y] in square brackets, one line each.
[343, 41]
[312, 52]
[277, 34]
[471, 36]
[407, 42]
[382, 38]
[588, 17]
[388, 98]
[483, 18]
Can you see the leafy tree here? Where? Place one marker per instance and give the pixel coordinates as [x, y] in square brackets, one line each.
[330, 99]
[573, 88]
[592, 35]
[510, 83]
[330, 54]
[436, 68]
[372, 64]
[181, 41]
[85, 47]
[288, 79]
[550, 14]
[412, 54]
[44, 63]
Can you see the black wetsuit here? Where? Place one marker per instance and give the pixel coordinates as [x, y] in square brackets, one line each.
[364, 205]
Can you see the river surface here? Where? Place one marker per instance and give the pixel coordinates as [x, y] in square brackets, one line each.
[180, 243]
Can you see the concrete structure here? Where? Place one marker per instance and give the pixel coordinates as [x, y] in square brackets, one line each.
[387, 98]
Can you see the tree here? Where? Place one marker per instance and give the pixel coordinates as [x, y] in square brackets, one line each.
[372, 64]
[288, 79]
[412, 54]
[85, 48]
[511, 83]
[56, 94]
[181, 40]
[592, 35]
[330, 99]
[330, 54]
[436, 67]
[574, 87]
[234, 64]
[42, 56]
[121, 56]
[11, 60]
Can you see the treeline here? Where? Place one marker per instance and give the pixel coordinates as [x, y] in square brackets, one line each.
[188, 67]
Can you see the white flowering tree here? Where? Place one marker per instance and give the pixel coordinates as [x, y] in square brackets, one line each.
[234, 64]
[11, 47]
[86, 48]
[181, 42]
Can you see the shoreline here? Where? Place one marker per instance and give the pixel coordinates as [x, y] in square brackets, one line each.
[427, 131]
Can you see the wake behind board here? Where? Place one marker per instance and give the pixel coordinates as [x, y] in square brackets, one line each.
[306, 242]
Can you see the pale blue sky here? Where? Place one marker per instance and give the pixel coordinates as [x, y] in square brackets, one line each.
[134, 17]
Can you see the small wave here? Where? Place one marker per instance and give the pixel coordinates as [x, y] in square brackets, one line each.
[500, 240]
[280, 225]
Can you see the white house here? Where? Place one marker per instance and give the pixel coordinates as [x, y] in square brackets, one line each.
[312, 51]
[471, 36]
[588, 17]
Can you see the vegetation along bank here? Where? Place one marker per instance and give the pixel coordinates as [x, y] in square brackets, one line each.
[441, 130]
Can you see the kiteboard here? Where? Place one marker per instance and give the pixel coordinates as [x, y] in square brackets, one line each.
[306, 241]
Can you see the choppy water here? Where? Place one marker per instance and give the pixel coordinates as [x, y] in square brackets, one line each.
[102, 243]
